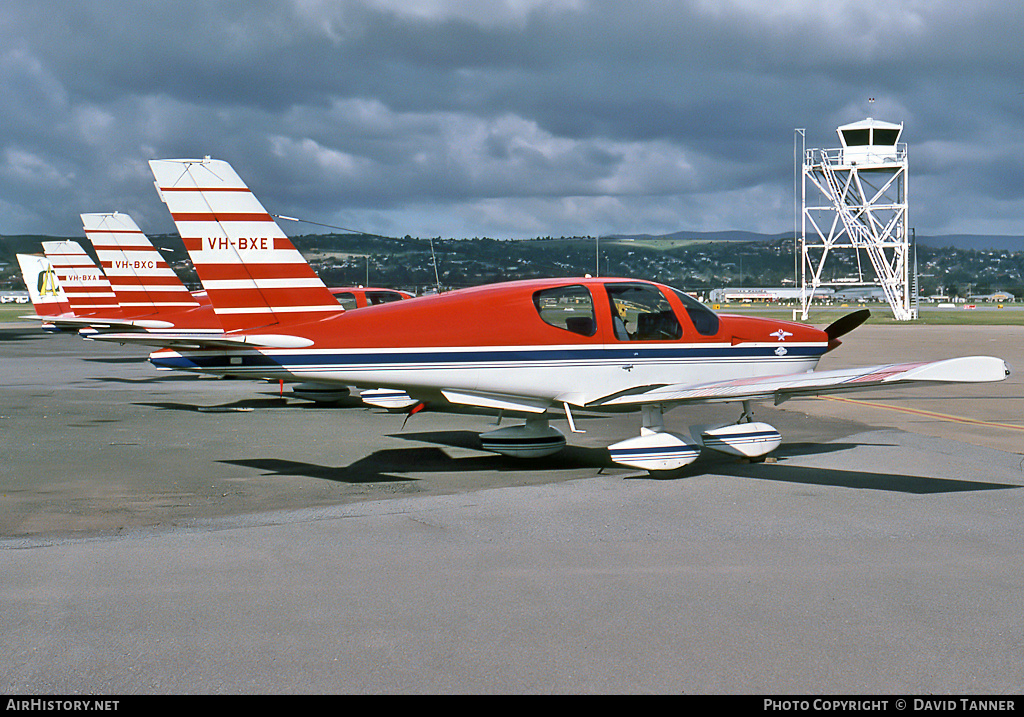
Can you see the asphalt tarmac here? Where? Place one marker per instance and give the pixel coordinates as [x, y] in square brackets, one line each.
[166, 533]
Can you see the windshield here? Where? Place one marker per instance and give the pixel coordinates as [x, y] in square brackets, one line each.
[704, 319]
[640, 312]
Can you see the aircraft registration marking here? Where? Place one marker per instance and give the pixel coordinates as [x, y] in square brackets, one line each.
[82, 276]
[137, 264]
[240, 243]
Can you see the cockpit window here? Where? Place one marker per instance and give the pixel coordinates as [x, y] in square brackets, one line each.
[567, 307]
[704, 319]
[347, 300]
[381, 297]
[640, 312]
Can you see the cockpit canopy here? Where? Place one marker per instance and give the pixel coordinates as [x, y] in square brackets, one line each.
[639, 311]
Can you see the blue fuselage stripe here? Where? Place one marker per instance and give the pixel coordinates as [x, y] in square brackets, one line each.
[254, 360]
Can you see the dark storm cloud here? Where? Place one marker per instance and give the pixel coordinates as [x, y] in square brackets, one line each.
[514, 118]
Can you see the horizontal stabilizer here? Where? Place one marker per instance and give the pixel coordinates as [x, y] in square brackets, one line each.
[967, 369]
[185, 340]
[93, 322]
[391, 399]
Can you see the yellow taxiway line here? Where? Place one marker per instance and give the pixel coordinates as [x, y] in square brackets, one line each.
[929, 414]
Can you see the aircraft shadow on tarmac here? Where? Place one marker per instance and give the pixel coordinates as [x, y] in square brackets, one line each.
[388, 465]
[21, 334]
[117, 360]
[864, 480]
[719, 464]
[245, 404]
[843, 478]
[397, 464]
[132, 381]
[337, 474]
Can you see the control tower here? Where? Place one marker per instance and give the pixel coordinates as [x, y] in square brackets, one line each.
[854, 204]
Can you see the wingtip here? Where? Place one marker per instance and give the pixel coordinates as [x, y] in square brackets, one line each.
[964, 369]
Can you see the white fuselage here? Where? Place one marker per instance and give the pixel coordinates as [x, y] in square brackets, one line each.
[571, 373]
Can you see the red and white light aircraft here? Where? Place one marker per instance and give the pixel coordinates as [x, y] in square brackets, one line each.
[140, 277]
[526, 347]
[136, 289]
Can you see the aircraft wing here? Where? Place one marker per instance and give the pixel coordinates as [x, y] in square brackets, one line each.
[186, 340]
[968, 369]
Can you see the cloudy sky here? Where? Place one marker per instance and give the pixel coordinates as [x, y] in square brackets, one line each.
[505, 118]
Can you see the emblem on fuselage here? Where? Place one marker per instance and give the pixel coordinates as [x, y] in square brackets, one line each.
[781, 335]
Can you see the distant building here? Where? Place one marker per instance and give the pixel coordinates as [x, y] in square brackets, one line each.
[999, 296]
[13, 297]
[862, 293]
[763, 294]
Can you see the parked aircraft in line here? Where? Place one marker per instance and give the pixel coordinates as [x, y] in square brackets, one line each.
[144, 284]
[140, 277]
[359, 297]
[135, 289]
[526, 347]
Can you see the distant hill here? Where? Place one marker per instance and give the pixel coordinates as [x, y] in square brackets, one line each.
[704, 236]
[28, 244]
[975, 242]
[13, 244]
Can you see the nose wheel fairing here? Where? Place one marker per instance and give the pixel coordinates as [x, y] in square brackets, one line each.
[655, 451]
[746, 440]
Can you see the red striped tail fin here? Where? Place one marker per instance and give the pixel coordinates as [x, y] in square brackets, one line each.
[252, 272]
[139, 276]
[85, 285]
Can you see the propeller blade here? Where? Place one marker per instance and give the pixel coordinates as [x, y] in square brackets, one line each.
[846, 324]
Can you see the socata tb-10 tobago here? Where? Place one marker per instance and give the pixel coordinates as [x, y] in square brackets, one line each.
[538, 348]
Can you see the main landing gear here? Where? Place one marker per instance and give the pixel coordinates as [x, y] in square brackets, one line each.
[533, 439]
[655, 449]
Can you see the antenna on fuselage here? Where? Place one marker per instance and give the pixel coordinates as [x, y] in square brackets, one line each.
[437, 281]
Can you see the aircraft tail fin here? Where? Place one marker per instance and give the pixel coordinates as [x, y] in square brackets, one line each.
[44, 290]
[253, 274]
[138, 274]
[85, 285]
